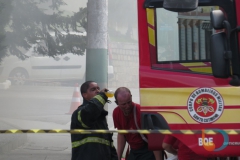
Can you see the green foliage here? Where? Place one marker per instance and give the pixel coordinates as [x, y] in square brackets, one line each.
[5, 9]
[28, 22]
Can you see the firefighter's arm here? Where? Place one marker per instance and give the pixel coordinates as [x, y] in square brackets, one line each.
[158, 155]
[169, 148]
[121, 142]
[89, 113]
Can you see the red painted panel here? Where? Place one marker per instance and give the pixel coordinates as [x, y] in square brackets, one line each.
[144, 55]
[150, 78]
[179, 107]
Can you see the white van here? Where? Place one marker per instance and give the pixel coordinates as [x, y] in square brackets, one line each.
[39, 68]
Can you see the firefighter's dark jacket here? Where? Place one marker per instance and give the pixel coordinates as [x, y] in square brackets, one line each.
[91, 115]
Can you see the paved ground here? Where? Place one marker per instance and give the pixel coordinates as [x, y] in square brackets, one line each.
[9, 142]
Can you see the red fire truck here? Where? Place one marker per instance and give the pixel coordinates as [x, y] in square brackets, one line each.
[189, 68]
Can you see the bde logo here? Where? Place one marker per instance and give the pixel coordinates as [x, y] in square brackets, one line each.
[205, 105]
[208, 143]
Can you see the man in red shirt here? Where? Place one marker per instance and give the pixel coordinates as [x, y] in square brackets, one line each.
[176, 147]
[123, 117]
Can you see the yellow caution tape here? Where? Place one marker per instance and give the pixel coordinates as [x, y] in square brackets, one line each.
[81, 131]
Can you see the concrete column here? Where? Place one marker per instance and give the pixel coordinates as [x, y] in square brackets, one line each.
[97, 55]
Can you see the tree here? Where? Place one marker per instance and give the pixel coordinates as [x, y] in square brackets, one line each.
[28, 22]
[5, 9]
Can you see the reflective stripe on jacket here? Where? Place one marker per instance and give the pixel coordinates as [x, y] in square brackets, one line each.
[91, 140]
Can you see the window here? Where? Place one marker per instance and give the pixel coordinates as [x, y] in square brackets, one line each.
[183, 40]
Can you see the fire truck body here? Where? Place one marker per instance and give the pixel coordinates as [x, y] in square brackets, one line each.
[181, 86]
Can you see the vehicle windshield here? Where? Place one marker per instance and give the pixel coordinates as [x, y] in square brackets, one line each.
[183, 40]
[184, 36]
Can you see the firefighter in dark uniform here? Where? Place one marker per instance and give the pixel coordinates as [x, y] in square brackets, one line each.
[91, 115]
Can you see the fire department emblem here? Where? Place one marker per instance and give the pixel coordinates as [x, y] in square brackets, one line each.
[205, 105]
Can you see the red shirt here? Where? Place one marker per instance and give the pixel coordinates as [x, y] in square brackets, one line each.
[184, 153]
[127, 122]
[171, 140]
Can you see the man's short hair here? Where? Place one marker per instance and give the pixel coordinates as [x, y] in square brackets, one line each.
[85, 86]
[119, 90]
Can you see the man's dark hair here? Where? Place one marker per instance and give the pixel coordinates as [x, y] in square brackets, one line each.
[118, 90]
[85, 86]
